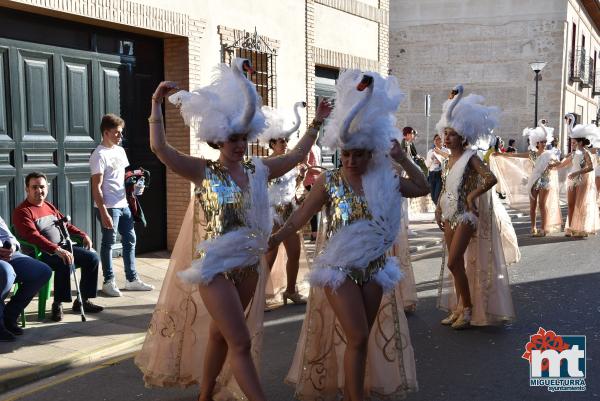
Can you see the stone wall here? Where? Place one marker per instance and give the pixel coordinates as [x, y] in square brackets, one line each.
[487, 48]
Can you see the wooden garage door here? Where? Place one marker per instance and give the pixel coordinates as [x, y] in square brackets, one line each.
[51, 102]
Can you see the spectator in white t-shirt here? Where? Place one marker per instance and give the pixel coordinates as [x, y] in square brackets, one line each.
[433, 161]
[107, 164]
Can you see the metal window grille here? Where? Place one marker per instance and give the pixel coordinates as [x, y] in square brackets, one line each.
[254, 48]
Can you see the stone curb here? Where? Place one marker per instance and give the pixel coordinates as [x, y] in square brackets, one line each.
[21, 377]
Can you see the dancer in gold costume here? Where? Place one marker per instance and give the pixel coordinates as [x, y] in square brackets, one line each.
[355, 338]
[479, 237]
[207, 325]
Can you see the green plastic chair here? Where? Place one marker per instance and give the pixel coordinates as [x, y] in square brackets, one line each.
[44, 293]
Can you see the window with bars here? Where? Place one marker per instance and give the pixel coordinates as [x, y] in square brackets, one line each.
[251, 46]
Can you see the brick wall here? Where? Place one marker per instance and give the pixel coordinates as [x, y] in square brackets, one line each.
[182, 65]
[310, 59]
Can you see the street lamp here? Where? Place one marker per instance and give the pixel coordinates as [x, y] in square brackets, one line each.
[537, 67]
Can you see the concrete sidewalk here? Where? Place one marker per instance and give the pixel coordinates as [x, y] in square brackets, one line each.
[47, 348]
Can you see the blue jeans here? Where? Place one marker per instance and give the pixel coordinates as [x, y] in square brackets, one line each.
[123, 222]
[31, 274]
[435, 183]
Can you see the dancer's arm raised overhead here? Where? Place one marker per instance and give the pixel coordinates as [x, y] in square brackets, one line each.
[189, 167]
[312, 204]
[416, 184]
[489, 180]
[280, 165]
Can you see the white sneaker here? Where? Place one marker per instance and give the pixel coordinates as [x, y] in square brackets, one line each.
[110, 288]
[138, 285]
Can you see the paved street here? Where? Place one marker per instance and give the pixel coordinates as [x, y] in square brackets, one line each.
[554, 286]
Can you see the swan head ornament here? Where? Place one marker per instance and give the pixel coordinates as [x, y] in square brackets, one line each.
[229, 105]
[539, 134]
[470, 118]
[364, 113]
[278, 123]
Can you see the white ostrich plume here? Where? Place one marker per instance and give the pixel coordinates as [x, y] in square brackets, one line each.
[229, 105]
[277, 120]
[539, 134]
[364, 113]
[469, 117]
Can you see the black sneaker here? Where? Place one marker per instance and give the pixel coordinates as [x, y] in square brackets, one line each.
[13, 327]
[57, 312]
[6, 336]
[88, 307]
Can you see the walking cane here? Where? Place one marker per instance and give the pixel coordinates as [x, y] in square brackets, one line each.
[61, 224]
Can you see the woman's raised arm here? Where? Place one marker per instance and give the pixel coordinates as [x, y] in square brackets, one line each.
[189, 167]
[312, 204]
[280, 165]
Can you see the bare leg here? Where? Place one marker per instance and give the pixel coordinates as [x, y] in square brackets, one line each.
[571, 197]
[226, 304]
[456, 261]
[448, 235]
[533, 209]
[348, 305]
[543, 199]
[272, 255]
[292, 249]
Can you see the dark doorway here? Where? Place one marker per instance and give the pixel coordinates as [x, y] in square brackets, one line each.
[325, 79]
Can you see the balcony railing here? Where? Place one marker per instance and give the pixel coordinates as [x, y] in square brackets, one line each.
[588, 82]
[596, 90]
[578, 66]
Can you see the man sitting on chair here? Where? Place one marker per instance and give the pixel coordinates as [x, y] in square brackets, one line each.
[35, 221]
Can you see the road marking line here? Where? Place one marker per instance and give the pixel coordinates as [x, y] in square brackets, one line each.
[105, 364]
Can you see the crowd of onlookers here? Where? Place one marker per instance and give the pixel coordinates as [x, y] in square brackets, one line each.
[37, 245]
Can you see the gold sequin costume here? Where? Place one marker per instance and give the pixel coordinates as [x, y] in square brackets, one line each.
[578, 163]
[544, 181]
[343, 207]
[176, 340]
[282, 191]
[223, 204]
[470, 181]
[317, 367]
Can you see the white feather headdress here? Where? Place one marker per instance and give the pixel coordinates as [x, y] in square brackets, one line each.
[276, 121]
[469, 117]
[588, 131]
[539, 134]
[364, 113]
[229, 105]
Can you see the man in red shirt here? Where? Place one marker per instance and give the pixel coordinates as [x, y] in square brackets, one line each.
[35, 222]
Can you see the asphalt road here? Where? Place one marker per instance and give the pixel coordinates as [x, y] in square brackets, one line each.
[555, 286]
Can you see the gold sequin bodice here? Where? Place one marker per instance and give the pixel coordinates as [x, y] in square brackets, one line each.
[543, 181]
[470, 181]
[344, 206]
[221, 199]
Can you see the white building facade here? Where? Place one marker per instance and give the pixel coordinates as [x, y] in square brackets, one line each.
[64, 63]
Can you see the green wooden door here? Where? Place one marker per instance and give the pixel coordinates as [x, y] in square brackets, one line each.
[51, 102]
